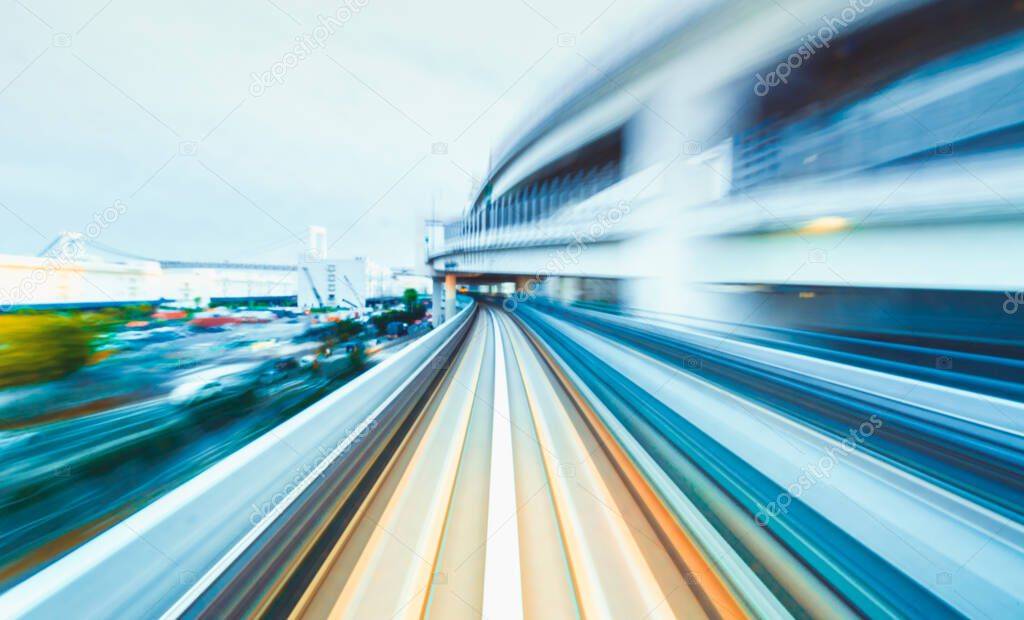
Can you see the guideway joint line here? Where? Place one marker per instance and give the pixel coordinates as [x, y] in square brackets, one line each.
[504, 523]
[451, 500]
[531, 436]
[467, 414]
[429, 400]
[368, 565]
[571, 574]
[717, 594]
[545, 453]
[503, 588]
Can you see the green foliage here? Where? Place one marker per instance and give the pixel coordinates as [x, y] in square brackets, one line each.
[43, 347]
[357, 358]
[345, 329]
[406, 316]
[113, 315]
[410, 297]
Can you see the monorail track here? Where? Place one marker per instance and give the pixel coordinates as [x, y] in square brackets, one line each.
[508, 500]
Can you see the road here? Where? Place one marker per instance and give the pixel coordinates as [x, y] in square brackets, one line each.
[66, 481]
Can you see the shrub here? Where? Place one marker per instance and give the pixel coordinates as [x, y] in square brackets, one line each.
[44, 347]
[381, 320]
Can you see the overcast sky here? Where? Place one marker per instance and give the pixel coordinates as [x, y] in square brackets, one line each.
[153, 106]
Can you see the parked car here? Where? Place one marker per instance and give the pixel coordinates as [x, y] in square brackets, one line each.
[397, 328]
[211, 383]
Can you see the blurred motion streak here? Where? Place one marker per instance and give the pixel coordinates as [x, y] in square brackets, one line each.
[741, 317]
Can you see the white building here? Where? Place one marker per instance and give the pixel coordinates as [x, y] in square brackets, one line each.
[54, 281]
[350, 283]
[338, 283]
[325, 282]
[69, 275]
[197, 284]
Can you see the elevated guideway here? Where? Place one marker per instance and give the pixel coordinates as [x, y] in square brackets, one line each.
[479, 483]
[505, 503]
[161, 559]
[561, 461]
[676, 179]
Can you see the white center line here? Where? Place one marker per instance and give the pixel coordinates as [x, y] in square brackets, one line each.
[503, 588]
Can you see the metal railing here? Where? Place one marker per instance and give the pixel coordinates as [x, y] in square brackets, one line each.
[159, 561]
[534, 205]
[953, 106]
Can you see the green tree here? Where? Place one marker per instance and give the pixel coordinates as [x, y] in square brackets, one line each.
[345, 329]
[410, 297]
[45, 347]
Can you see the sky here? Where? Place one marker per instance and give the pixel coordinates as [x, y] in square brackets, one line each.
[201, 130]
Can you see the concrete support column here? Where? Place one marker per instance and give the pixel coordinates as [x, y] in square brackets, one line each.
[449, 296]
[566, 288]
[436, 303]
[522, 285]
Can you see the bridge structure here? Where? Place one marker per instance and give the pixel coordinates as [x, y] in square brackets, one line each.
[745, 347]
[719, 163]
[76, 270]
